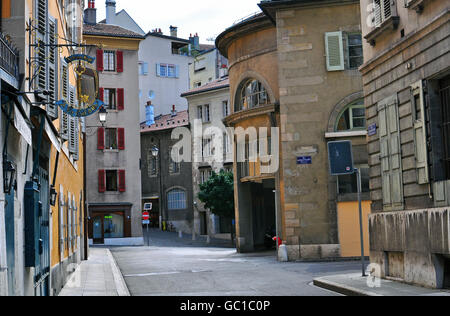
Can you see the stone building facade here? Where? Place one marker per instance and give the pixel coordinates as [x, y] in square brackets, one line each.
[308, 66]
[167, 183]
[208, 106]
[112, 167]
[406, 85]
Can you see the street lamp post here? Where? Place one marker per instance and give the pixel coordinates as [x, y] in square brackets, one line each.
[155, 154]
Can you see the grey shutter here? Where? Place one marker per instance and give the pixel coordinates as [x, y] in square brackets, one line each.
[65, 95]
[52, 109]
[334, 49]
[158, 70]
[420, 137]
[41, 52]
[390, 153]
[61, 222]
[69, 221]
[73, 125]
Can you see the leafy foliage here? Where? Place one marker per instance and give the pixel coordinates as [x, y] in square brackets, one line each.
[218, 194]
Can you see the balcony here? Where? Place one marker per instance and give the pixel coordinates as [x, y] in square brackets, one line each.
[9, 61]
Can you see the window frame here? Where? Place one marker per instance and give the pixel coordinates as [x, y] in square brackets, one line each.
[242, 96]
[179, 202]
[107, 60]
[350, 107]
[107, 137]
[107, 92]
[349, 46]
[116, 179]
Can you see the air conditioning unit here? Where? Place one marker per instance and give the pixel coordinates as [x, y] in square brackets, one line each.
[415, 5]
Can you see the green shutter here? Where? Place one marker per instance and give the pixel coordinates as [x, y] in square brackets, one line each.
[334, 49]
[390, 153]
[420, 138]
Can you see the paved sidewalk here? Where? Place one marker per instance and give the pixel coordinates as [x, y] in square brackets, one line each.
[356, 285]
[98, 276]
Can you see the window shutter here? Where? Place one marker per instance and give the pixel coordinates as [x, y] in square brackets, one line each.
[121, 138]
[101, 93]
[119, 61]
[334, 49]
[120, 99]
[177, 71]
[101, 181]
[101, 138]
[158, 70]
[99, 60]
[69, 222]
[122, 187]
[390, 153]
[145, 68]
[73, 135]
[52, 108]
[420, 138]
[61, 223]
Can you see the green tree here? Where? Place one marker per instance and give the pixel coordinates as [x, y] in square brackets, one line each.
[218, 196]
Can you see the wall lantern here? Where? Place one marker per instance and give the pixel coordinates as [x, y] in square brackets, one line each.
[53, 196]
[9, 176]
[155, 151]
[102, 113]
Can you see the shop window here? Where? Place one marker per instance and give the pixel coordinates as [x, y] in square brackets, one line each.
[176, 199]
[113, 226]
[352, 118]
[444, 94]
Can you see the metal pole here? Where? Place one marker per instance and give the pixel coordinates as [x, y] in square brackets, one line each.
[358, 173]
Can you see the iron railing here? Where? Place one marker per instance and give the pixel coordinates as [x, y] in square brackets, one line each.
[9, 57]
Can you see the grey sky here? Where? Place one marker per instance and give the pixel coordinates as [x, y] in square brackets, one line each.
[208, 18]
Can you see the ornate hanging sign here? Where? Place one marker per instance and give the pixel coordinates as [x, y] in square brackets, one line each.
[87, 87]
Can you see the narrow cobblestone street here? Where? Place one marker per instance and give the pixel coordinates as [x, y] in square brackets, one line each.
[179, 266]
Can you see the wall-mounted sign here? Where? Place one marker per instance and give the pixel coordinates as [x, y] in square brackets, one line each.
[87, 87]
[304, 160]
[372, 129]
[340, 158]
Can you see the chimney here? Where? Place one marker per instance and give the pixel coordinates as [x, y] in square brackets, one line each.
[173, 31]
[174, 111]
[90, 14]
[110, 11]
[195, 41]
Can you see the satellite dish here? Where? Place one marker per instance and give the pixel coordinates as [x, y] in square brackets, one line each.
[151, 94]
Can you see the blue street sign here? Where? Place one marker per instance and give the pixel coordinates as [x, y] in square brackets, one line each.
[304, 160]
[372, 129]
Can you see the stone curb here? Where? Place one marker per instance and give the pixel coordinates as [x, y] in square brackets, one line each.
[342, 289]
[121, 286]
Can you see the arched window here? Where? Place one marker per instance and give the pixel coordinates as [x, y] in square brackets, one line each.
[251, 94]
[353, 117]
[176, 199]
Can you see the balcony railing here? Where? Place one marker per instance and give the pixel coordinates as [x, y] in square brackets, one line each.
[9, 57]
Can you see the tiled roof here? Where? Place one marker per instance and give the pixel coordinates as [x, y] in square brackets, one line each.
[210, 86]
[167, 121]
[102, 29]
